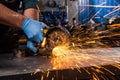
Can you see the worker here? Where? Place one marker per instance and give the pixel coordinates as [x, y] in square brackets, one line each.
[27, 21]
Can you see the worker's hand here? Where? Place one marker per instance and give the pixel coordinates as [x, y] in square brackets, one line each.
[34, 31]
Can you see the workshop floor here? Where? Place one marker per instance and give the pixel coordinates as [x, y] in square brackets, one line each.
[31, 65]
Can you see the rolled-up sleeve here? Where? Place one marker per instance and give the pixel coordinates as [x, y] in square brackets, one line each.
[30, 4]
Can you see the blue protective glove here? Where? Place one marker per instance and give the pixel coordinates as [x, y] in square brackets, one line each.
[34, 32]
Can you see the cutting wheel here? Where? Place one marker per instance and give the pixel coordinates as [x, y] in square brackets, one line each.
[57, 36]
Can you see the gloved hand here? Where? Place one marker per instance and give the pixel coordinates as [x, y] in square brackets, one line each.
[34, 32]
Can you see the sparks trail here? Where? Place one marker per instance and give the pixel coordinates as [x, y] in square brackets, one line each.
[84, 37]
[72, 57]
[78, 59]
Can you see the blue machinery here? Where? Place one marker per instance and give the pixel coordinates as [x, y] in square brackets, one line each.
[98, 10]
[54, 17]
[57, 13]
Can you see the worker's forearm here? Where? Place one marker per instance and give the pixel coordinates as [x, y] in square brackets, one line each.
[32, 13]
[10, 17]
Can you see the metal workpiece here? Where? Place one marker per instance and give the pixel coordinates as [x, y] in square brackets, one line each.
[85, 64]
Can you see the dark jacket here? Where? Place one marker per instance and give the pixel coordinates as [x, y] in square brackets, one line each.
[16, 4]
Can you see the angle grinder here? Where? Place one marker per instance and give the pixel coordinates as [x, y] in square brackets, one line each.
[54, 36]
